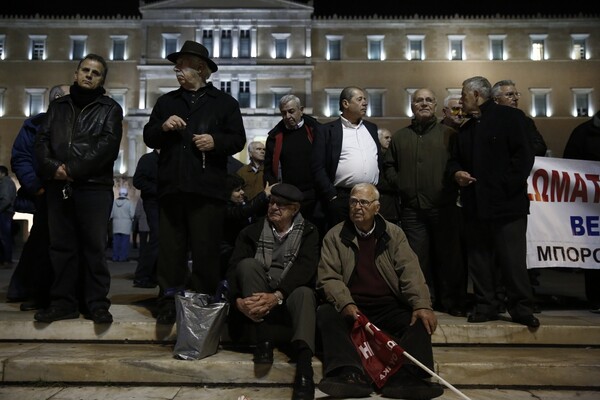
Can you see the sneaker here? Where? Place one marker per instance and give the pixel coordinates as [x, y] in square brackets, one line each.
[52, 314]
[101, 316]
[409, 387]
[346, 385]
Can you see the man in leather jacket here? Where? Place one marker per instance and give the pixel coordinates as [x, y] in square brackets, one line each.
[76, 148]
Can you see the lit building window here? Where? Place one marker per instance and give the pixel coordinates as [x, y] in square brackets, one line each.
[281, 45]
[538, 48]
[170, 43]
[415, 47]
[78, 47]
[37, 47]
[119, 48]
[334, 47]
[375, 100]
[375, 46]
[497, 47]
[579, 49]
[540, 102]
[226, 45]
[455, 44]
[35, 101]
[582, 102]
[120, 96]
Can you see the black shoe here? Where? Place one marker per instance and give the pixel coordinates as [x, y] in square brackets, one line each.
[167, 315]
[346, 385]
[457, 312]
[100, 316]
[527, 320]
[263, 353]
[411, 388]
[304, 388]
[144, 283]
[30, 306]
[52, 314]
[476, 317]
[536, 308]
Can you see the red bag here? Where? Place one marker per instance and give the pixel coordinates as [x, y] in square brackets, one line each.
[380, 355]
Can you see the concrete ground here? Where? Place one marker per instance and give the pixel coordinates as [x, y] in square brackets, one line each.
[558, 289]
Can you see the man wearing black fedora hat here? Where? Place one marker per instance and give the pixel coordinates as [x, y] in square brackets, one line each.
[272, 275]
[196, 128]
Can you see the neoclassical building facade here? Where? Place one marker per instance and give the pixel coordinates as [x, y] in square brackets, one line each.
[268, 48]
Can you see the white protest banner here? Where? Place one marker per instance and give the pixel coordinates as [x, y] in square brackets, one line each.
[564, 222]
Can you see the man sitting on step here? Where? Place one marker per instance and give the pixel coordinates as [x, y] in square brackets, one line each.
[367, 267]
[272, 273]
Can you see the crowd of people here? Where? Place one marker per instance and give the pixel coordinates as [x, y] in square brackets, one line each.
[327, 221]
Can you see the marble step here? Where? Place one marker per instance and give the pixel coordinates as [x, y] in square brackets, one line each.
[134, 323]
[154, 364]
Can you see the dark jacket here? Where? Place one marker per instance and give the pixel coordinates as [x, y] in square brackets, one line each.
[181, 166]
[496, 150]
[303, 271]
[415, 164]
[327, 148]
[88, 144]
[24, 164]
[584, 142]
[146, 175]
[273, 147]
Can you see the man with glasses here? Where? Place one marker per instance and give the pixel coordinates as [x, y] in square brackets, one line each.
[367, 267]
[505, 93]
[452, 111]
[272, 275]
[415, 164]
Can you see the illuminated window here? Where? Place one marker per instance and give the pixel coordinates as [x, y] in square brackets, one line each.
[207, 41]
[375, 108]
[538, 49]
[170, 43]
[280, 45]
[582, 102]
[245, 43]
[35, 101]
[226, 87]
[120, 96]
[333, 102]
[497, 47]
[455, 43]
[2, 52]
[226, 45]
[37, 47]
[375, 45]
[78, 44]
[119, 48]
[579, 50]
[540, 102]
[334, 47]
[415, 47]
[244, 94]
[2, 90]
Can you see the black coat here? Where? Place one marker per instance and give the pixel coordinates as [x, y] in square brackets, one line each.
[496, 150]
[181, 166]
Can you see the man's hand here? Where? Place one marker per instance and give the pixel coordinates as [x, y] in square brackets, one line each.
[350, 312]
[257, 306]
[204, 142]
[61, 174]
[463, 178]
[427, 316]
[173, 123]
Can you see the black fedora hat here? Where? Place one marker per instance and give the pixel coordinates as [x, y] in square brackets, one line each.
[195, 49]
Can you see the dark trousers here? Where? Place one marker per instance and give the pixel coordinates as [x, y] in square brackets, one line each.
[146, 267]
[6, 236]
[339, 208]
[434, 236]
[499, 243]
[298, 310]
[189, 221]
[32, 277]
[393, 319]
[78, 233]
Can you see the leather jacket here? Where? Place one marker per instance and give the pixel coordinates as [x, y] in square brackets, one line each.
[87, 143]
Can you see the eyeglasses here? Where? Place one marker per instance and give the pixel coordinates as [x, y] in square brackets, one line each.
[508, 95]
[362, 202]
[279, 203]
[456, 110]
[427, 100]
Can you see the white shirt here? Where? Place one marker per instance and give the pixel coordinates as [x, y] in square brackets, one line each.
[358, 159]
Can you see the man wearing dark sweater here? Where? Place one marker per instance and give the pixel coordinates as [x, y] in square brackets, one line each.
[288, 152]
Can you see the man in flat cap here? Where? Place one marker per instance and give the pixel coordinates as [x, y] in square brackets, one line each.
[272, 275]
[196, 128]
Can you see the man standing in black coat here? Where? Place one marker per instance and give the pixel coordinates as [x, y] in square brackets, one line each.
[491, 161]
[196, 128]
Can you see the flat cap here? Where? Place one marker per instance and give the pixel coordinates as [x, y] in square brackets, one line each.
[287, 192]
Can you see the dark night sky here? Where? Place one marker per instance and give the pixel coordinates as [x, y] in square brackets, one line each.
[329, 7]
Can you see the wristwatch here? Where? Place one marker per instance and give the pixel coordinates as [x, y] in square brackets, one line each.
[279, 297]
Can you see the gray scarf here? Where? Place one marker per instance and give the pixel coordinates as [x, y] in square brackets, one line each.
[291, 245]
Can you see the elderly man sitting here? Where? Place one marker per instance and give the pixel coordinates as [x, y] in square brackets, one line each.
[368, 268]
[272, 275]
